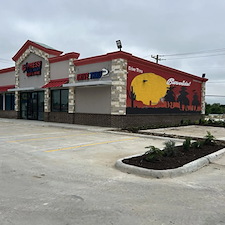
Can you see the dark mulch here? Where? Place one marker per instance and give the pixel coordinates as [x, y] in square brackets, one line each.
[182, 157]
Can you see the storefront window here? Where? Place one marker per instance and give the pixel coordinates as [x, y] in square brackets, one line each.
[59, 100]
[9, 101]
[1, 102]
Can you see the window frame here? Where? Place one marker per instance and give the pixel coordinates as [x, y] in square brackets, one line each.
[1, 101]
[11, 98]
[61, 107]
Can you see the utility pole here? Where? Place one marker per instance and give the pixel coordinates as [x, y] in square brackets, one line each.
[156, 58]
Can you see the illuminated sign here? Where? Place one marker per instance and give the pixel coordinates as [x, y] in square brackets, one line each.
[32, 69]
[93, 75]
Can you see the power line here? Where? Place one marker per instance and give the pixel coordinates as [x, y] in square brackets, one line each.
[191, 57]
[194, 53]
[156, 58]
[223, 96]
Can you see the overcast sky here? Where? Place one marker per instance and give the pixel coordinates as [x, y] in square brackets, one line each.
[145, 27]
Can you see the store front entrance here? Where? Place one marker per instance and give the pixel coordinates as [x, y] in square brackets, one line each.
[32, 105]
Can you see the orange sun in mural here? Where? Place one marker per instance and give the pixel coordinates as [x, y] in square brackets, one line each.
[149, 88]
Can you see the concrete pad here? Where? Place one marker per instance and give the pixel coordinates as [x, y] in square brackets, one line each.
[81, 185]
[190, 131]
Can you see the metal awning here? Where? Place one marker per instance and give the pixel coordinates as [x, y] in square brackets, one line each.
[89, 83]
[24, 89]
[6, 88]
[56, 83]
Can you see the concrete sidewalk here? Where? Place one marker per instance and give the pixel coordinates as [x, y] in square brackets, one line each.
[189, 131]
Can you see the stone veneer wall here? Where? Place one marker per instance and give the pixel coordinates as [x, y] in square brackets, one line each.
[203, 98]
[72, 76]
[42, 54]
[118, 88]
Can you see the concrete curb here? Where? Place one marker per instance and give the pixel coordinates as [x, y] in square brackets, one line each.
[187, 168]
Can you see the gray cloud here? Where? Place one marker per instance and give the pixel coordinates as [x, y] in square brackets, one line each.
[145, 27]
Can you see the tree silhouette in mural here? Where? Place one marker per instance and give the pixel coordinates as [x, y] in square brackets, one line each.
[132, 96]
[183, 100]
[170, 97]
[195, 101]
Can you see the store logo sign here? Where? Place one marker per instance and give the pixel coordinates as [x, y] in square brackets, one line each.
[93, 75]
[33, 68]
[172, 81]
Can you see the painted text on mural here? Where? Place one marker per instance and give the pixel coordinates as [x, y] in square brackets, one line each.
[135, 69]
[172, 81]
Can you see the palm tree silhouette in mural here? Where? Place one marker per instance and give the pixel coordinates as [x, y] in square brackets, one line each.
[170, 97]
[132, 96]
[183, 100]
[195, 101]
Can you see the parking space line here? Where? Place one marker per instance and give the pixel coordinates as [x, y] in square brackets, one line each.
[44, 138]
[92, 144]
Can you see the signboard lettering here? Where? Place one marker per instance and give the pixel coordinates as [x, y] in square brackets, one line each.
[93, 75]
[172, 81]
[33, 68]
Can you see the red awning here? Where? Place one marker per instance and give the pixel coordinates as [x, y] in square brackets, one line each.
[5, 88]
[56, 83]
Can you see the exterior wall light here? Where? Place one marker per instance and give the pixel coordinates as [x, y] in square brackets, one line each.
[119, 44]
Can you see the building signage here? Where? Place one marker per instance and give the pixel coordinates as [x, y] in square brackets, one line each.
[172, 81]
[93, 75]
[135, 69]
[33, 68]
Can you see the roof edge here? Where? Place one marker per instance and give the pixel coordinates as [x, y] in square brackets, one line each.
[67, 56]
[162, 67]
[7, 70]
[28, 43]
[103, 58]
[132, 58]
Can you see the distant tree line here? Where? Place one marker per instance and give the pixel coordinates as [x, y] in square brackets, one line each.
[215, 108]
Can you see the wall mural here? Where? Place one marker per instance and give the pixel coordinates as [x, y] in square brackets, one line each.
[161, 92]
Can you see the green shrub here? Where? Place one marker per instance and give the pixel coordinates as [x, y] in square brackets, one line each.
[197, 144]
[153, 154]
[209, 139]
[187, 144]
[169, 149]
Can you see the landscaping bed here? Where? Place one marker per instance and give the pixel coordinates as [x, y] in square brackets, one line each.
[171, 156]
[181, 158]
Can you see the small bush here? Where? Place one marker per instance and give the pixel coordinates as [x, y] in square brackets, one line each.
[209, 139]
[153, 154]
[197, 144]
[187, 144]
[169, 149]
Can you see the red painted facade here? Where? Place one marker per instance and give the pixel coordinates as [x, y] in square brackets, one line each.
[153, 88]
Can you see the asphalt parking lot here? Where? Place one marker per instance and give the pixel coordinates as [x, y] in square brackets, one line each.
[64, 175]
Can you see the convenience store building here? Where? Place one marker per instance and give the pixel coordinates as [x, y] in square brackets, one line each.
[116, 89]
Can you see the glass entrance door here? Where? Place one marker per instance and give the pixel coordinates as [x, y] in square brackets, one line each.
[32, 105]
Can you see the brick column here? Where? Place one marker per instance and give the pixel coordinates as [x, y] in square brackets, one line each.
[118, 88]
